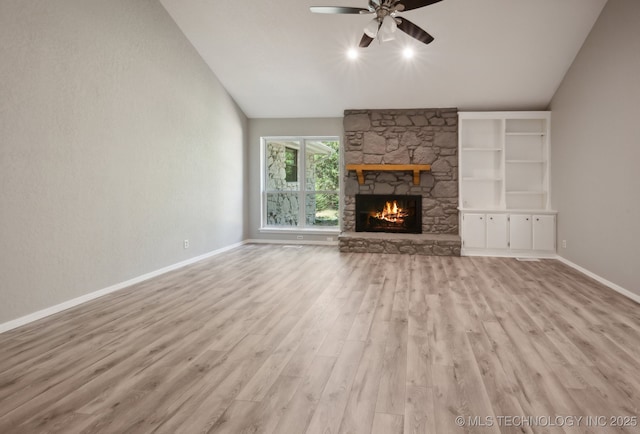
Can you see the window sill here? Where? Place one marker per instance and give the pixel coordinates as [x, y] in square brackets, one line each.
[308, 231]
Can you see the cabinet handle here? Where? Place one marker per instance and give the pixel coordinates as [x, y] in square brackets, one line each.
[527, 218]
[490, 218]
[537, 219]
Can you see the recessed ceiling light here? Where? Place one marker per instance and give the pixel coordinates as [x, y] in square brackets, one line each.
[352, 54]
[408, 53]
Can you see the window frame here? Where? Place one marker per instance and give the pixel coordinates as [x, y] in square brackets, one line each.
[302, 191]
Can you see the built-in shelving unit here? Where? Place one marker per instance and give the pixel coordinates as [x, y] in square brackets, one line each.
[504, 170]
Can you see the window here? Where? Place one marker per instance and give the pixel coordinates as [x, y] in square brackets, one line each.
[291, 164]
[301, 183]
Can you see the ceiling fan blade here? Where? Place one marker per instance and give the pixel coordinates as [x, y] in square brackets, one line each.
[415, 4]
[365, 41]
[338, 10]
[414, 31]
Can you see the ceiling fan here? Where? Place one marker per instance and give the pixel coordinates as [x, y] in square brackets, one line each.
[384, 25]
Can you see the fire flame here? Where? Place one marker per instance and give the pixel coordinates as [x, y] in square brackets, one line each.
[391, 213]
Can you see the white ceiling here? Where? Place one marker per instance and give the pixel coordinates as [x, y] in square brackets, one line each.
[277, 59]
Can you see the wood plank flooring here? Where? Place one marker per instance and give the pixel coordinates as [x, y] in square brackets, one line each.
[286, 340]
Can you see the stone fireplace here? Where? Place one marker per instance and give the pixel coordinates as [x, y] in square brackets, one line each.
[403, 137]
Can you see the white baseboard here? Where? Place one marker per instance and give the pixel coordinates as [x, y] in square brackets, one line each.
[294, 242]
[633, 296]
[113, 288]
[496, 253]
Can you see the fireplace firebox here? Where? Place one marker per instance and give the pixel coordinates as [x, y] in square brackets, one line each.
[388, 213]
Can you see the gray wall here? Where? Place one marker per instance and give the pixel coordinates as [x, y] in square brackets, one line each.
[596, 149]
[116, 143]
[280, 127]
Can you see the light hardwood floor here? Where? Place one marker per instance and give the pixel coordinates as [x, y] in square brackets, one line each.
[275, 339]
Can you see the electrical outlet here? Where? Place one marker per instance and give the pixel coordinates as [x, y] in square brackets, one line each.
[186, 244]
[564, 244]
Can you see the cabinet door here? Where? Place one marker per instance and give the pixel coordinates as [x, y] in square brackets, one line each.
[520, 232]
[474, 231]
[497, 231]
[544, 232]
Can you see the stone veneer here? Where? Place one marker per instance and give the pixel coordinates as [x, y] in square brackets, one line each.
[413, 136]
[411, 244]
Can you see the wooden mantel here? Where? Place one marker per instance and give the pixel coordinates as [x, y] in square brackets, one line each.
[415, 168]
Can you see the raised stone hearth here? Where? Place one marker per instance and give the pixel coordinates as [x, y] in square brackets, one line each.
[404, 137]
[410, 244]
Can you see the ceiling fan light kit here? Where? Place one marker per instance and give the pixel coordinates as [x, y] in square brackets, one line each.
[372, 28]
[387, 29]
[384, 25]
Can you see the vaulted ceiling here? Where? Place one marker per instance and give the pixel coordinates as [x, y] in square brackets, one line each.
[277, 59]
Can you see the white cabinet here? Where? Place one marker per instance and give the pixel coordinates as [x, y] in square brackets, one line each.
[504, 176]
[536, 232]
[544, 232]
[475, 229]
[520, 235]
[509, 234]
[485, 231]
[497, 231]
